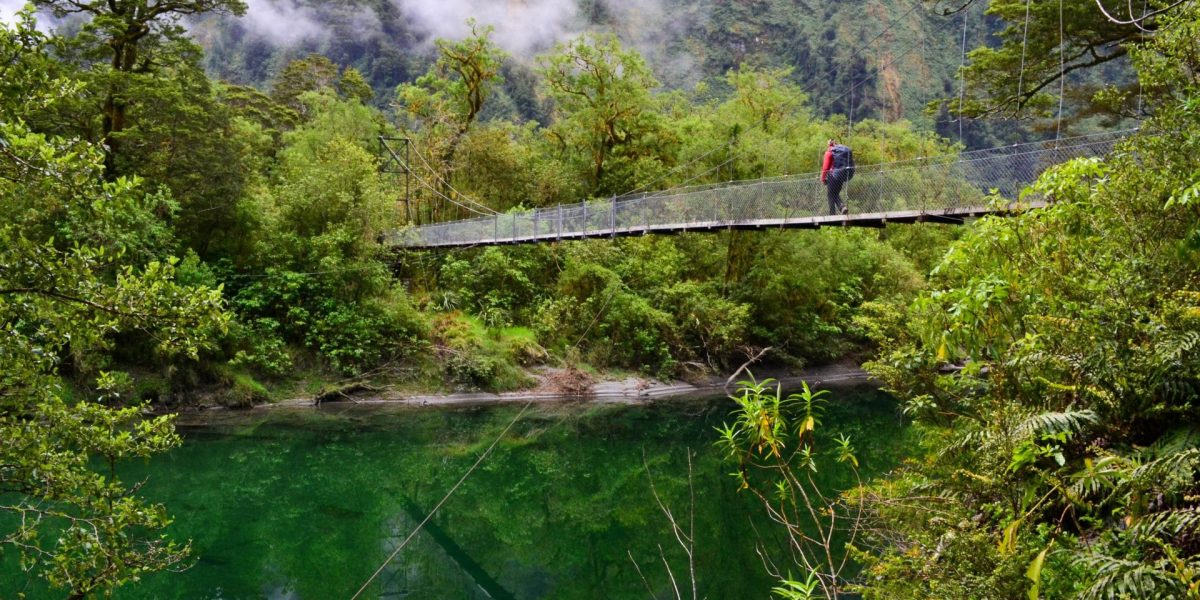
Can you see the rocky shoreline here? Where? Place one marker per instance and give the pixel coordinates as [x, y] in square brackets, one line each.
[630, 390]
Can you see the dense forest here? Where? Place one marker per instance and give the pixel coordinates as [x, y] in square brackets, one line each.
[914, 52]
[192, 213]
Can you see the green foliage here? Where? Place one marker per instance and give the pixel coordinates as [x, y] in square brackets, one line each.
[709, 326]
[262, 347]
[454, 91]
[628, 330]
[773, 441]
[240, 390]
[322, 284]
[443, 105]
[605, 118]
[1029, 56]
[500, 286]
[1052, 371]
[73, 522]
[805, 289]
[124, 44]
[186, 141]
[353, 85]
[790, 589]
[352, 332]
[474, 357]
[313, 73]
[258, 108]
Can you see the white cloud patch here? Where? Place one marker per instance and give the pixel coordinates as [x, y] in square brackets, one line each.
[650, 27]
[292, 22]
[44, 21]
[8, 10]
[523, 27]
[283, 22]
[526, 28]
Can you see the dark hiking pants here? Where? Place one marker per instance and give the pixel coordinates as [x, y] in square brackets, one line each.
[833, 192]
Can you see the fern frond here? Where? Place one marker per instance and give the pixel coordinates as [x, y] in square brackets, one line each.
[1174, 348]
[1168, 466]
[970, 439]
[1177, 392]
[1168, 523]
[1055, 422]
[1101, 475]
[1173, 442]
[1118, 579]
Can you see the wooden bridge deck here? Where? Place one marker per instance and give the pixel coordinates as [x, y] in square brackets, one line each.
[953, 216]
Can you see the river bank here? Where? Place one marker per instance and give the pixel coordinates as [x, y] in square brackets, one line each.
[551, 388]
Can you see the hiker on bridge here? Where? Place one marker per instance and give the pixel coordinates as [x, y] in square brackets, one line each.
[837, 169]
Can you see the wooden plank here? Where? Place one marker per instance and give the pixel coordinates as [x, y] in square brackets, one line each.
[954, 216]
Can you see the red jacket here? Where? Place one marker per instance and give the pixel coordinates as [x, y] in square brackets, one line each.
[828, 163]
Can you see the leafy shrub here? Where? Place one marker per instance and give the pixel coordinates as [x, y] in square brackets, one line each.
[618, 327]
[710, 327]
[472, 369]
[261, 347]
[499, 284]
[297, 308]
[470, 357]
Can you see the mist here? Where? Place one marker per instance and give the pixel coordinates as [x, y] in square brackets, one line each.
[526, 28]
[523, 27]
[282, 22]
[9, 8]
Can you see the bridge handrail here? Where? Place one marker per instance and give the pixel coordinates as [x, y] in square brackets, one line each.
[925, 185]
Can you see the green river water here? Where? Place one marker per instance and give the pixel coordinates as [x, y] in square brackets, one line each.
[306, 504]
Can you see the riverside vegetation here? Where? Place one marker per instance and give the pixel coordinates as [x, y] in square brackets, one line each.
[167, 236]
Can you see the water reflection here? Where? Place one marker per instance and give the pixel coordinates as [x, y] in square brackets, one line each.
[307, 505]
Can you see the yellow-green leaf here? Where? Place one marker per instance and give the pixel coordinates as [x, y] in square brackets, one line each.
[1008, 543]
[1034, 573]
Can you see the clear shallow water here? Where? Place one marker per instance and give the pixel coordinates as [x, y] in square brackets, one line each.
[307, 504]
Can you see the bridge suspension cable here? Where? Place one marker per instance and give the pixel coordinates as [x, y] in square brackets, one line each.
[945, 188]
[453, 488]
[479, 208]
[962, 77]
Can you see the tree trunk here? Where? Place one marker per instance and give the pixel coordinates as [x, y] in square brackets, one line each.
[124, 60]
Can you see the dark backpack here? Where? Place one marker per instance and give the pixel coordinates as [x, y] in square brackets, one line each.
[843, 162]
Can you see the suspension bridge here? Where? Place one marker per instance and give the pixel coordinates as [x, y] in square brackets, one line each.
[936, 189]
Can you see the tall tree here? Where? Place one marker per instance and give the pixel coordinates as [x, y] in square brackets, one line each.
[1045, 44]
[184, 138]
[309, 74]
[603, 106]
[444, 103]
[462, 79]
[126, 36]
[76, 268]
[353, 85]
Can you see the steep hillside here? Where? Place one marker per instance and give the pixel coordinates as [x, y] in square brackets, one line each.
[881, 58]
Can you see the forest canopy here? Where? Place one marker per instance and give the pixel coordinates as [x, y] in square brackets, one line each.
[176, 231]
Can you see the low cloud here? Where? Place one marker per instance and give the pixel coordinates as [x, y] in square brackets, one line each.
[526, 28]
[283, 22]
[8, 11]
[651, 28]
[523, 27]
[43, 20]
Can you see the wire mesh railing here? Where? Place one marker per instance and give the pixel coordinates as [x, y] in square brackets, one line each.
[937, 185]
